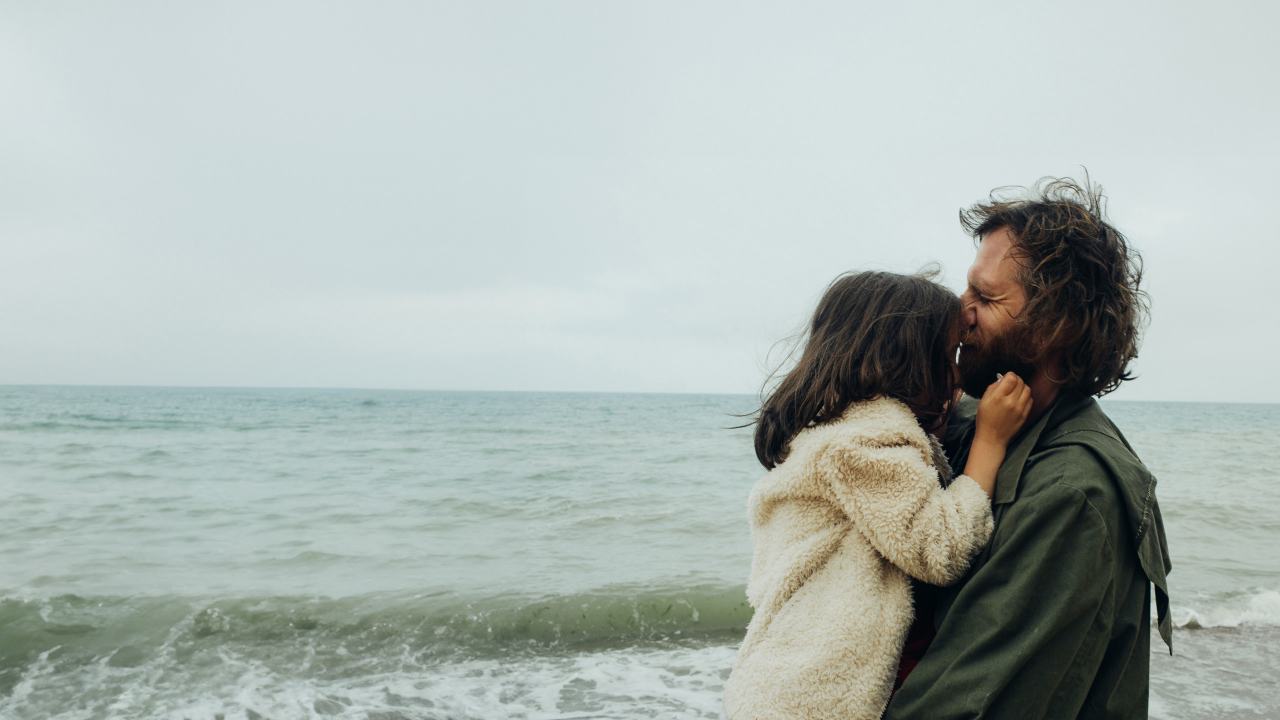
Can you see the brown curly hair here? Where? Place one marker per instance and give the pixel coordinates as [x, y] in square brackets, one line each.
[1081, 277]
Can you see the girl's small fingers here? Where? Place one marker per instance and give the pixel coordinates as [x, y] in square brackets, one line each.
[1001, 386]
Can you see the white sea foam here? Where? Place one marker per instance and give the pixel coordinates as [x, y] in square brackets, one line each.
[668, 682]
[35, 672]
[1258, 609]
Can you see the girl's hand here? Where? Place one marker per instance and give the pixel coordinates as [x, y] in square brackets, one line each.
[1003, 409]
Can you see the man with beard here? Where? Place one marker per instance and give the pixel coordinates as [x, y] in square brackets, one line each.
[1053, 618]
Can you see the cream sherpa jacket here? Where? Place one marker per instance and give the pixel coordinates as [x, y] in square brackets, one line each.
[856, 508]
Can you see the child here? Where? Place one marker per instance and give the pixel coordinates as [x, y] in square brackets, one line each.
[860, 498]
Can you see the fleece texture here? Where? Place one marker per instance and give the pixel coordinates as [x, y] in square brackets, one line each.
[856, 509]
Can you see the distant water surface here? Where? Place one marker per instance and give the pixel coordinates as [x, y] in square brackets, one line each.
[378, 554]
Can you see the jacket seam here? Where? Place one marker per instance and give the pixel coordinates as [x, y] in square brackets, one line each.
[1097, 513]
[1111, 581]
[1144, 520]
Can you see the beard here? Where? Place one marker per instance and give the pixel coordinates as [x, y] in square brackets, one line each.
[979, 364]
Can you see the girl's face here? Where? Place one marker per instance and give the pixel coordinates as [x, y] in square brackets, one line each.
[936, 424]
[953, 358]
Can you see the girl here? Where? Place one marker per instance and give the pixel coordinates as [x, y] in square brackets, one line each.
[859, 498]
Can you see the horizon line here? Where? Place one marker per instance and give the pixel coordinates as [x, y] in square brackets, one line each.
[501, 391]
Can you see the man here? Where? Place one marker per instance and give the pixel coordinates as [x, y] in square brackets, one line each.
[1053, 618]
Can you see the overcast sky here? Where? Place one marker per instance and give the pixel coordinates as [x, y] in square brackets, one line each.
[636, 196]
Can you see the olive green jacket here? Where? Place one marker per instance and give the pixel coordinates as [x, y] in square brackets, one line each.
[1053, 619]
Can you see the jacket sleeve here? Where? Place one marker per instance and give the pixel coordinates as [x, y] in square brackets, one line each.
[893, 496]
[1027, 630]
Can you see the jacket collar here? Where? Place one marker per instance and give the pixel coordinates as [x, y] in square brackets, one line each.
[1010, 474]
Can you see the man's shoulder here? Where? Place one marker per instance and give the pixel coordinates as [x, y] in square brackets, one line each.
[1084, 423]
[1066, 468]
[1084, 429]
[1086, 453]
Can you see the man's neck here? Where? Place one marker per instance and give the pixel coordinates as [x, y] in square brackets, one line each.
[1044, 391]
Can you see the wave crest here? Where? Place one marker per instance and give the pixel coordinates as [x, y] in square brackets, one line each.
[379, 625]
[1257, 609]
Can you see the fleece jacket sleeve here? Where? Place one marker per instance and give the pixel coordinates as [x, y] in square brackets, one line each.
[893, 497]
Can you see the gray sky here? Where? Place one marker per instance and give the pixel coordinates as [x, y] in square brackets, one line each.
[598, 195]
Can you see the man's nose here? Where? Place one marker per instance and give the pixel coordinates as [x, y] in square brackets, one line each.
[968, 312]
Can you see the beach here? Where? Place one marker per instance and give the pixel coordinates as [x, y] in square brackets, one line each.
[242, 553]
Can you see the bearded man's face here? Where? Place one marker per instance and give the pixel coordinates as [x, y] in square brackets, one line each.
[980, 363]
[994, 341]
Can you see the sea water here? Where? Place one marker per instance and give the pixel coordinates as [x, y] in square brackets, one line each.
[236, 553]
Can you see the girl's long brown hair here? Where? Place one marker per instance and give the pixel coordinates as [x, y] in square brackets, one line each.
[872, 334]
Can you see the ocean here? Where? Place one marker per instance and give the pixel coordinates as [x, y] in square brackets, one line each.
[386, 555]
